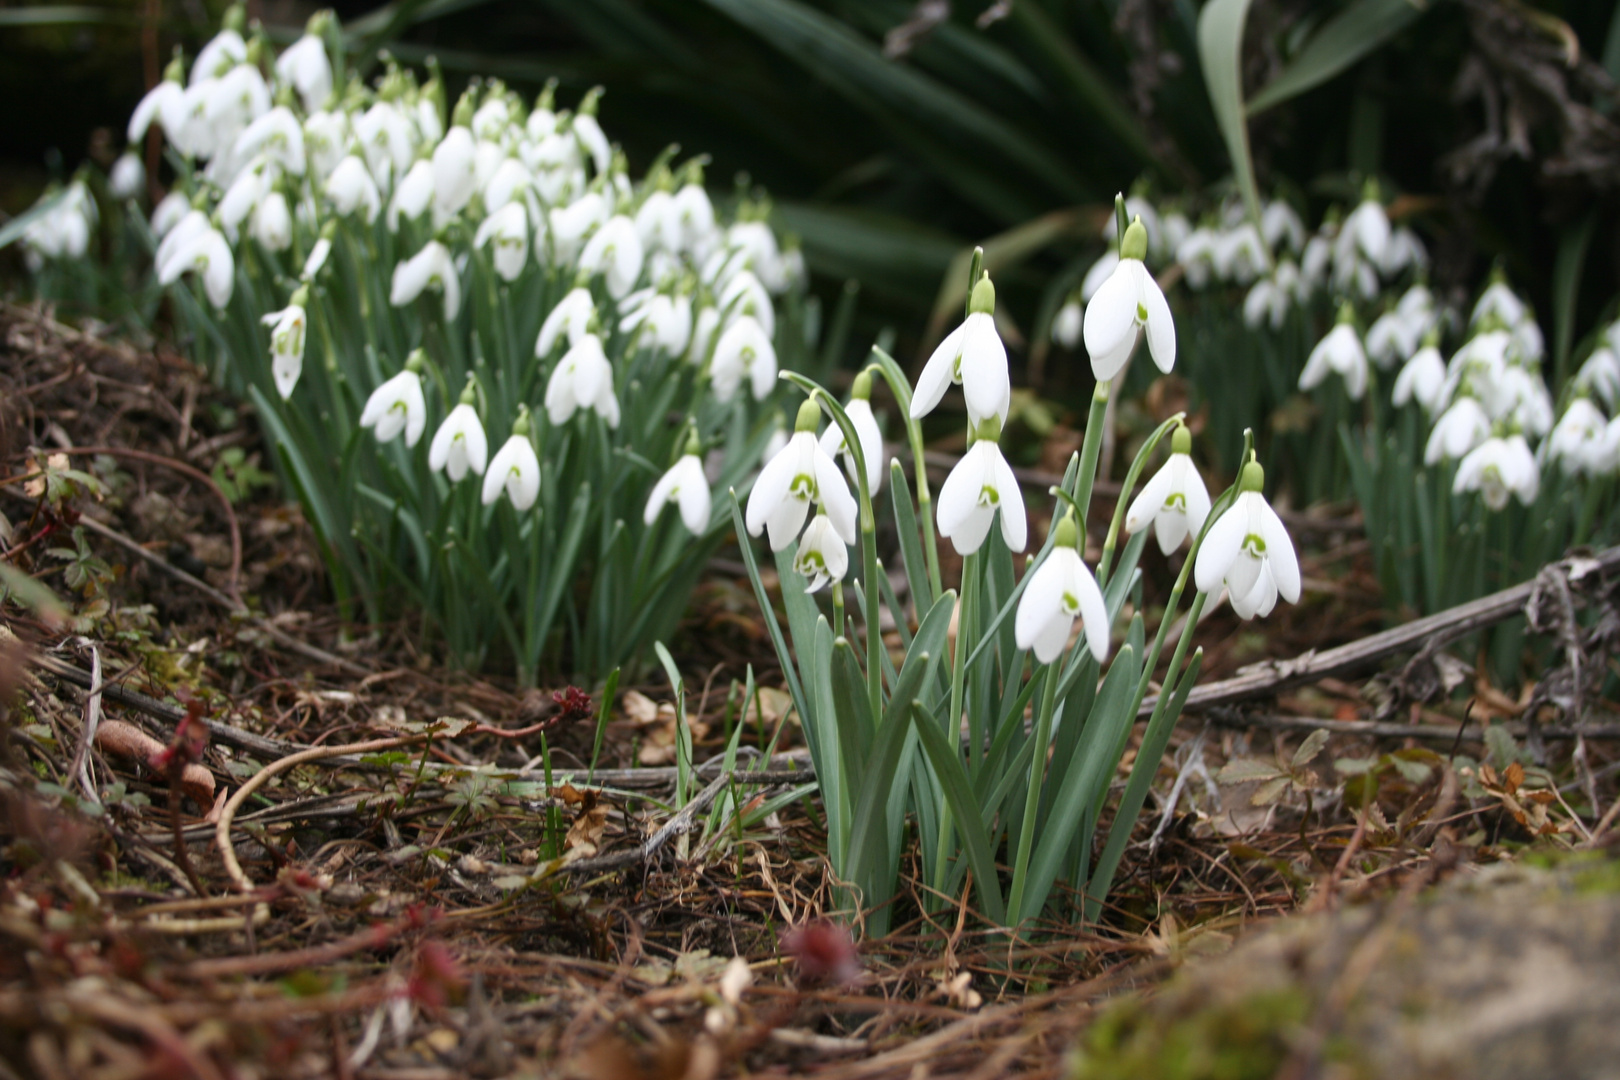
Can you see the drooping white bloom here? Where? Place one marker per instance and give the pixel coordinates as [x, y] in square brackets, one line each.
[412, 195]
[1067, 322]
[388, 139]
[822, 556]
[278, 136]
[1129, 302]
[508, 231]
[590, 136]
[306, 67]
[573, 314]
[168, 213]
[1459, 429]
[1577, 441]
[1497, 468]
[859, 411]
[271, 224]
[1404, 249]
[395, 406]
[287, 328]
[744, 348]
[704, 325]
[455, 175]
[1600, 374]
[510, 179]
[430, 268]
[572, 223]
[351, 188]
[1175, 500]
[459, 444]
[1196, 254]
[694, 214]
[209, 255]
[1339, 351]
[165, 103]
[1422, 379]
[128, 177]
[1281, 226]
[1239, 256]
[978, 486]
[243, 197]
[799, 474]
[1272, 297]
[1061, 590]
[614, 251]
[686, 486]
[582, 379]
[1249, 551]
[974, 356]
[1499, 300]
[190, 226]
[325, 136]
[491, 119]
[515, 468]
[744, 294]
[1368, 225]
[224, 51]
[761, 255]
[64, 230]
[664, 319]
[1099, 272]
[1525, 402]
[1394, 337]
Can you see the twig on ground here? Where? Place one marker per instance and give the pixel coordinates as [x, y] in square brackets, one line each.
[1232, 718]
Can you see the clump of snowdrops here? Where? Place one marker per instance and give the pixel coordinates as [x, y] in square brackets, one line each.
[998, 747]
[500, 376]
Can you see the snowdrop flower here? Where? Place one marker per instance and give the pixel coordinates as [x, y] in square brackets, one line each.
[287, 328]
[743, 348]
[1128, 302]
[455, 175]
[1404, 249]
[694, 214]
[209, 255]
[351, 188]
[572, 314]
[582, 379]
[1526, 340]
[319, 253]
[430, 268]
[508, 230]
[799, 474]
[1497, 468]
[589, 133]
[192, 225]
[1175, 500]
[242, 198]
[1499, 300]
[388, 139]
[305, 65]
[1600, 374]
[761, 255]
[655, 221]
[1281, 227]
[667, 321]
[168, 213]
[1422, 380]
[278, 136]
[224, 50]
[1238, 255]
[397, 405]
[859, 411]
[1459, 429]
[65, 230]
[572, 223]
[615, 251]
[743, 294]
[1061, 590]
[412, 196]
[460, 445]
[1339, 351]
[1526, 404]
[165, 103]
[128, 177]
[1067, 322]
[1099, 272]
[272, 222]
[822, 556]
[510, 179]
[974, 356]
[1249, 551]
[1577, 442]
[981, 484]
[1394, 336]
[704, 325]
[515, 468]
[687, 487]
[325, 136]
[1368, 226]
[1272, 297]
[490, 121]
[1196, 254]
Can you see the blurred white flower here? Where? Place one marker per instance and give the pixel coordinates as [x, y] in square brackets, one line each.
[1460, 428]
[744, 348]
[128, 177]
[1422, 379]
[278, 136]
[169, 211]
[1067, 322]
[615, 252]
[395, 406]
[412, 194]
[1498, 468]
[271, 224]
[582, 379]
[686, 486]
[1281, 226]
[460, 444]
[507, 231]
[573, 315]
[430, 268]
[207, 254]
[1340, 351]
[306, 67]
[287, 329]
[351, 188]
[859, 411]
[455, 176]
[1577, 441]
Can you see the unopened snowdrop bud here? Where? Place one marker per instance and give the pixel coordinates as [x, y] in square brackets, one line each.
[859, 411]
[430, 268]
[1067, 322]
[1459, 429]
[287, 331]
[1249, 551]
[589, 132]
[351, 188]
[573, 315]
[973, 356]
[799, 474]
[412, 196]
[686, 486]
[507, 231]
[1423, 378]
[1175, 500]
[459, 445]
[1061, 590]
[1340, 351]
[744, 348]
[615, 251]
[981, 484]
[1497, 468]
[1128, 303]
[320, 252]
[582, 379]
[515, 468]
[397, 405]
[208, 255]
[128, 177]
[822, 556]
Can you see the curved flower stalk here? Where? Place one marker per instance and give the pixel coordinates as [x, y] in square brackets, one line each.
[397, 405]
[801, 473]
[1061, 590]
[515, 468]
[973, 356]
[1249, 551]
[1127, 304]
[859, 410]
[979, 486]
[1175, 500]
[686, 486]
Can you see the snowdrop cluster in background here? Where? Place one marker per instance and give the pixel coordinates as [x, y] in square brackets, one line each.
[486, 355]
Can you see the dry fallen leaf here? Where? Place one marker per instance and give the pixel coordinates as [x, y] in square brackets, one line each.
[585, 834]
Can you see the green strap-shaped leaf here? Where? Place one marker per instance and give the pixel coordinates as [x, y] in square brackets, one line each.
[1220, 50]
[1340, 42]
[965, 811]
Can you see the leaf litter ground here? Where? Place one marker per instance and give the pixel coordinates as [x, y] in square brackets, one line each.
[401, 892]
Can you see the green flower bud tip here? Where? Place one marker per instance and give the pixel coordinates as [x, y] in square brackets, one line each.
[415, 362]
[1347, 313]
[587, 104]
[255, 50]
[1181, 440]
[329, 229]
[1067, 534]
[989, 429]
[284, 96]
[694, 445]
[469, 393]
[464, 109]
[319, 21]
[1432, 338]
[1369, 190]
[862, 390]
[175, 72]
[1136, 240]
[983, 300]
[809, 416]
[235, 18]
[1253, 478]
[548, 95]
[520, 426]
[300, 297]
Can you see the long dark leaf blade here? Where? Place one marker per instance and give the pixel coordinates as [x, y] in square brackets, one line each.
[965, 810]
[1339, 43]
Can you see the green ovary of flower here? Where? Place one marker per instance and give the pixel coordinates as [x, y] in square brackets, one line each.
[1254, 545]
[1176, 501]
[1141, 312]
[989, 496]
[803, 488]
[1071, 603]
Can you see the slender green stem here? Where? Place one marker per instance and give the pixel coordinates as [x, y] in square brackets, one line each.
[1032, 796]
[1124, 500]
[1089, 451]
